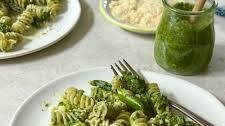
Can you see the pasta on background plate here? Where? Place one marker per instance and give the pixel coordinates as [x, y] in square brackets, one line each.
[18, 18]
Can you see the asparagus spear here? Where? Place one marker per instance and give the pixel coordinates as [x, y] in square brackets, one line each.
[127, 97]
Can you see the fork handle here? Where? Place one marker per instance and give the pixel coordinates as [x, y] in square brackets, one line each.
[191, 115]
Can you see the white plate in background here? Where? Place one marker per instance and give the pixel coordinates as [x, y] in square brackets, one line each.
[201, 102]
[51, 34]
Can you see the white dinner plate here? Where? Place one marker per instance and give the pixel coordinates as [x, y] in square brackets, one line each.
[201, 102]
[51, 34]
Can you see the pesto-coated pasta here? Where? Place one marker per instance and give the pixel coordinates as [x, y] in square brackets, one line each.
[169, 119]
[24, 21]
[114, 105]
[116, 83]
[99, 110]
[95, 121]
[13, 35]
[4, 28]
[117, 105]
[138, 118]
[8, 40]
[54, 7]
[5, 24]
[79, 124]
[77, 98]
[116, 108]
[105, 123]
[61, 117]
[102, 95]
[123, 119]
[6, 20]
[40, 2]
[18, 5]
[160, 102]
[40, 13]
[23, 17]
[98, 115]
[3, 9]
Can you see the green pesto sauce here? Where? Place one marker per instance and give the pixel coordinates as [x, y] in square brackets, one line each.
[45, 106]
[184, 47]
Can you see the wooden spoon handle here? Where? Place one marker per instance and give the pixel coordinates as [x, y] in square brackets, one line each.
[198, 7]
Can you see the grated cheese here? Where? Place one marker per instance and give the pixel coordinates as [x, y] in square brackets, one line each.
[141, 13]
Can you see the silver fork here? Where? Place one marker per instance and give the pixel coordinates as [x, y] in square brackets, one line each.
[124, 66]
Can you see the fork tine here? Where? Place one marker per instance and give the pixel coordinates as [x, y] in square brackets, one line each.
[121, 64]
[114, 71]
[129, 67]
[121, 71]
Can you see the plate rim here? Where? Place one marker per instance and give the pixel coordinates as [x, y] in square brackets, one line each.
[33, 50]
[51, 82]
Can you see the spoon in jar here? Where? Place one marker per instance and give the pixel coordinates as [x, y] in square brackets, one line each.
[199, 4]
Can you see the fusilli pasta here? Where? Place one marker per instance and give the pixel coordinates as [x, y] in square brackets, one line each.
[98, 114]
[24, 21]
[54, 7]
[102, 95]
[103, 110]
[105, 123]
[33, 13]
[5, 24]
[41, 13]
[29, 14]
[6, 20]
[8, 40]
[4, 28]
[138, 118]
[77, 98]
[169, 119]
[159, 101]
[18, 5]
[61, 117]
[115, 106]
[116, 82]
[79, 124]
[123, 119]
[3, 9]
[40, 2]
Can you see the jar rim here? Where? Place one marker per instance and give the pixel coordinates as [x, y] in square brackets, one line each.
[184, 12]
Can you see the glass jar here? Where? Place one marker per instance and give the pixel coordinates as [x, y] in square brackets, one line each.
[184, 39]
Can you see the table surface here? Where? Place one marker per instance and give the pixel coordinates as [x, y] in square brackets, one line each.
[95, 42]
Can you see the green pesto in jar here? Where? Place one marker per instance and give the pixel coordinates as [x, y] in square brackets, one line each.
[181, 46]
